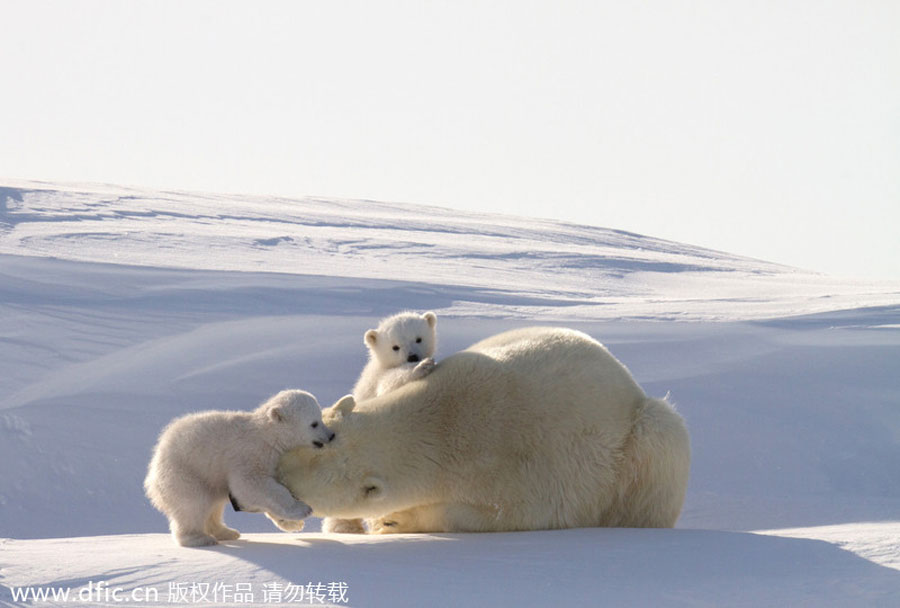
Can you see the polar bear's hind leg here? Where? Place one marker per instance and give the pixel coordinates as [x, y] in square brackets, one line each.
[189, 520]
[215, 525]
[659, 457]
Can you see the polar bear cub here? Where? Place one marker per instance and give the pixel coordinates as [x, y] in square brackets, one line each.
[204, 459]
[400, 351]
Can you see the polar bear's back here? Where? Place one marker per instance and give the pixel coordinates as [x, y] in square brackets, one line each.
[547, 415]
[558, 369]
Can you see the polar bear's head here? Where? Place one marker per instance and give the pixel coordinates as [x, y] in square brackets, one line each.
[407, 337]
[293, 418]
[348, 480]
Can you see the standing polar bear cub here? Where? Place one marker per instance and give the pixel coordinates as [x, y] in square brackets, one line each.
[201, 460]
[400, 351]
[535, 428]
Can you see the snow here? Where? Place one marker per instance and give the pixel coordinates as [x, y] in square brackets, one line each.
[582, 567]
[122, 308]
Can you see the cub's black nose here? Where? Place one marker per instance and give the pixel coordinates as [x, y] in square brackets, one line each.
[412, 358]
[318, 444]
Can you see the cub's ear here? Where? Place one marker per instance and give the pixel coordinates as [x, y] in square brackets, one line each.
[373, 488]
[430, 318]
[345, 404]
[276, 413]
[370, 338]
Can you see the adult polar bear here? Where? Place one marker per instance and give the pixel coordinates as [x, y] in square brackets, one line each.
[534, 428]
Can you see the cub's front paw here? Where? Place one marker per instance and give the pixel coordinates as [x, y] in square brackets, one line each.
[299, 511]
[425, 367]
[288, 525]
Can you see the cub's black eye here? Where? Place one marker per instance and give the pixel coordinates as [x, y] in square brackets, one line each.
[396, 348]
[418, 340]
[314, 424]
[389, 524]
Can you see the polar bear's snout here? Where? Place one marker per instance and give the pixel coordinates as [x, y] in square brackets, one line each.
[413, 358]
[324, 435]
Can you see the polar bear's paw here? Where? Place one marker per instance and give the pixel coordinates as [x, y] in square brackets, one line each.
[196, 539]
[288, 525]
[298, 511]
[333, 525]
[425, 367]
[225, 533]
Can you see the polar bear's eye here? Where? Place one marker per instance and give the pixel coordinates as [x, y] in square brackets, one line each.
[418, 340]
[372, 488]
[314, 424]
[396, 347]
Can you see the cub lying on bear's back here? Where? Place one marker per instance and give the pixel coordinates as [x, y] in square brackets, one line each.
[400, 351]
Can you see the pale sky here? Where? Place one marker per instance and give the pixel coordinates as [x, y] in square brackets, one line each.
[768, 129]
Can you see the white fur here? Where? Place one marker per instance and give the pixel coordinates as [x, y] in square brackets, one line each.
[400, 351]
[201, 457]
[534, 428]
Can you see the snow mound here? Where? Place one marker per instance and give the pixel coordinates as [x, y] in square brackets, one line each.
[516, 266]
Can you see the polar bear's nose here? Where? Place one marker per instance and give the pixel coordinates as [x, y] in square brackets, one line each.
[412, 358]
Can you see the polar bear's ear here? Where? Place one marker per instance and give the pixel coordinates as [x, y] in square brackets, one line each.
[276, 413]
[430, 318]
[340, 409]
[345, 404]
[373, 488]
[371, 338]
